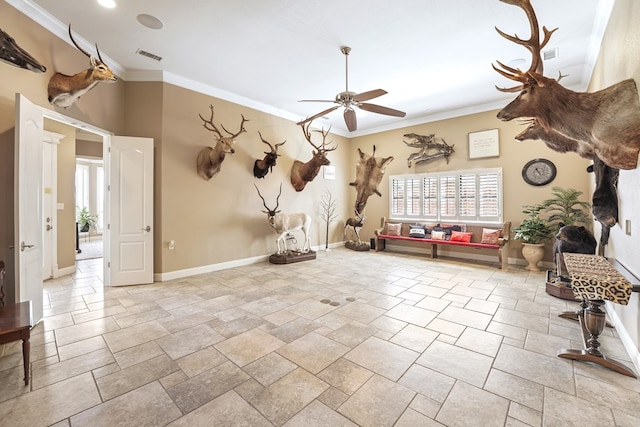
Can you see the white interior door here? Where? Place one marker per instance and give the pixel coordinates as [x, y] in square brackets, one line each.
[28, 204]
[131, 211]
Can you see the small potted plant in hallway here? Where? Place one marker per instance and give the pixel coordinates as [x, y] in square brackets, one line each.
[86, 221]
[533, 232]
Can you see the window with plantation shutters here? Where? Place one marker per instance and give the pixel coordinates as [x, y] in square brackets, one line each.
[469, 196]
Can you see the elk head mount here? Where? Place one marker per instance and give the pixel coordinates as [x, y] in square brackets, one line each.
[369, 173]
[209, 159]
[284, 224]
[430, 149]
[263, 166]
[605, 123]
[302, 173]
[14, 55]
[65, 90]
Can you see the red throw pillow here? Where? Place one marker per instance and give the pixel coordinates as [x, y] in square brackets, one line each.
[459, 236]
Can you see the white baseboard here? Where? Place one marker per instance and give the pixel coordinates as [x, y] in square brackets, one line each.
[179, 274]
[63, 271]
[631, 348]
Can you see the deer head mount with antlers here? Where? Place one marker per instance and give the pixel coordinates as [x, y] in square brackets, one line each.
[14, 55]
[263, 166]
[369, 173]
[209, 159]
[606, 121]
[65, 90]
[284, 224]
[302, 173]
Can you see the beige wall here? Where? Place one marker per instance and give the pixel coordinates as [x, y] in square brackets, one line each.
[513, 155]
[620, 59]
[221, 220]
[66, 193]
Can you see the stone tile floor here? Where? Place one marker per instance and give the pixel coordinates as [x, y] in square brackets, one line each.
[351, 338]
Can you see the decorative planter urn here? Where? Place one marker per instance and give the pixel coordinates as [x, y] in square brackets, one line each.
[533, 253]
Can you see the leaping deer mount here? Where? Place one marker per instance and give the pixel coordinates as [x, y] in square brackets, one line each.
[209, 159]
[430, 149]
[302, 173]
[263, 166]
[65, 90]
[605, 123]
[14, 55]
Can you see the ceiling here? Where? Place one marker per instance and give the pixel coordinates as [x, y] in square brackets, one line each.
[432, 57]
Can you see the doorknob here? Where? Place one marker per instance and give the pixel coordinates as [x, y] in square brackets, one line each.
[24, 246]
[147, 228]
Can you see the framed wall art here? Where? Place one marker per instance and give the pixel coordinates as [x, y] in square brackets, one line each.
[483, 144]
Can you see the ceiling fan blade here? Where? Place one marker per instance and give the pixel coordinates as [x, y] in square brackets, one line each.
[365, 96]
[350, 119]
[320, 114]
[316, 100]
[382, 110]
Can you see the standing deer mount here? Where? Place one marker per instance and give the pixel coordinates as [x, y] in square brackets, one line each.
[356, 223]
[369, 173]
[430, 149]
[302, 173]
[606, 122]
[263, 166]
[284, 224]
[209, 159]
[14, 55]
[65, 90]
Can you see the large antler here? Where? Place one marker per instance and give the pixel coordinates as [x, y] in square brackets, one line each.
[533, 44]
[87, 54]
[274, 150]
[307, 135]
[208, 124]
[264, 203]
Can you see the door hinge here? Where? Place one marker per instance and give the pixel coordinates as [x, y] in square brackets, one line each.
[108, 226]
[109, 264]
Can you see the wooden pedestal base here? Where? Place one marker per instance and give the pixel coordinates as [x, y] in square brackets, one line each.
[291, 257]
[592, 321]
[355, 246]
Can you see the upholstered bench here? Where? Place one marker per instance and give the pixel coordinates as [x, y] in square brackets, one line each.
[494, 237]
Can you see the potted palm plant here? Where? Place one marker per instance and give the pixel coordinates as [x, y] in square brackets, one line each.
[566, 208]
[534, 232]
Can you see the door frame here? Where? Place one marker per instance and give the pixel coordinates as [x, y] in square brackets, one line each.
[106, 145]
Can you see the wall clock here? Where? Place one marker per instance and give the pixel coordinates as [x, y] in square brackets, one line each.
[539, 172]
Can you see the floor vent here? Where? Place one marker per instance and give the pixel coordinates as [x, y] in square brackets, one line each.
[148, 54]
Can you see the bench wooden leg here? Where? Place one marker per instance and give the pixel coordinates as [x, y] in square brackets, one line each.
[434, 251]
[380, 244]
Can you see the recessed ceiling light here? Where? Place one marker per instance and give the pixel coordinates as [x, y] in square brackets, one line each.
[150, 21]
[110, 4]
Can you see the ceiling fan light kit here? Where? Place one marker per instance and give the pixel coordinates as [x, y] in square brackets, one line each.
[349, 100]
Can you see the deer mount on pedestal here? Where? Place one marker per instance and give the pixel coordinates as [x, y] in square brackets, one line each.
[302, 173]
[285, 224]
[209, 159]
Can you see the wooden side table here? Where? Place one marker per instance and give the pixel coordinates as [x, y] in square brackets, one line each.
[15, 324]
[594, 281]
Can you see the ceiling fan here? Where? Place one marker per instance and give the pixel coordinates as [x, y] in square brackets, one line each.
[349, 100]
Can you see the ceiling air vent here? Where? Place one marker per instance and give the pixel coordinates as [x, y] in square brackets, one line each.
[149, 55]
[550, 54]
